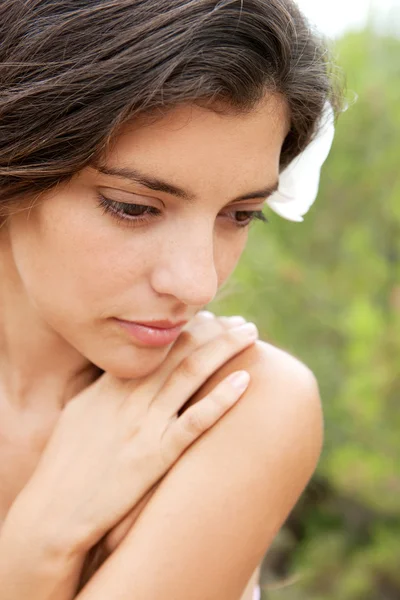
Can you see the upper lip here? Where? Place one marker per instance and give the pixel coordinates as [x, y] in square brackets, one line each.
[162, 324]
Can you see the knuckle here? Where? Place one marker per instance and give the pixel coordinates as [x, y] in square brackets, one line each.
[218, 326]
[187, 336]
[190, 366]
[204, 316]
[229, 322]
[193, 422]
[187, 340]
[218, 397]
[226, 340]
[234, 336]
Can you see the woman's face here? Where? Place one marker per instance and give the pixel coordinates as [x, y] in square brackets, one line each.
[155, 244]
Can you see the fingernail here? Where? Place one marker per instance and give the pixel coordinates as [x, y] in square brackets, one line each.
[236, 321]
[248, 330]
[239, 380]
[205, 314]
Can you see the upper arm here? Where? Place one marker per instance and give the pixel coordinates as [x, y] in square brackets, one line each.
[216, 512]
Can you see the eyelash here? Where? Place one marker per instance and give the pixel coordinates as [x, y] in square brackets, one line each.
[120, 211]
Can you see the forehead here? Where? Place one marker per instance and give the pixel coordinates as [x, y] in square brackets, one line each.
[204, 149]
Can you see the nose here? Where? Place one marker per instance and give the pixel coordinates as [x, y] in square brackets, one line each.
[186, 268]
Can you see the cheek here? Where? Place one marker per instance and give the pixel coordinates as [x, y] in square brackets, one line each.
[72, 262]
[227, 253]
[98, 268]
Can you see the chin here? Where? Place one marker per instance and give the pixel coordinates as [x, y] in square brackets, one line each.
[134, 364]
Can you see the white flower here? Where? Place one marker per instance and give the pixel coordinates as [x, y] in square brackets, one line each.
[298, 183]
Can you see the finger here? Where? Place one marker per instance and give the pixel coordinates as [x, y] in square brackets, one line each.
[196, 368]
[202, 329]
[202, 315]
[202, 416]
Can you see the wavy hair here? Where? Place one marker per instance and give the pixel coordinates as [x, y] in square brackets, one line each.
[72, 72]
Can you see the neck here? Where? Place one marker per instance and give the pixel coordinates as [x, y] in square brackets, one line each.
[38, 368]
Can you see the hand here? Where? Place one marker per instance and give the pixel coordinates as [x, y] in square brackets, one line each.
[116, 439]
[215, 326]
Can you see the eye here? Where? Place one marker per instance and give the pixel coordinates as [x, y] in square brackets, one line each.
[243, 218]
[132, 210]
[128, 212]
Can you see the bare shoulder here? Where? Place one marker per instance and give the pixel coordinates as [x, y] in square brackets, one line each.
[272, 366]
[284, 391]
[280, 414]
[279, 383]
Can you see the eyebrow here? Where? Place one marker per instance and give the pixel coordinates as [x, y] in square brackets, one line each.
[159, 185]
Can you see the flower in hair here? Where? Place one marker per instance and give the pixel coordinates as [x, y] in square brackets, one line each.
[299, 182]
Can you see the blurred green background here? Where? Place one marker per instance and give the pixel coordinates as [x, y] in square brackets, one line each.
[328, 291]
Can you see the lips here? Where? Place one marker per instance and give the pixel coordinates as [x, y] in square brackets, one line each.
[153, 333]
[160, 324]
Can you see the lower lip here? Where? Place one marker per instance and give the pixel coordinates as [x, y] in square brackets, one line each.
[151, 336]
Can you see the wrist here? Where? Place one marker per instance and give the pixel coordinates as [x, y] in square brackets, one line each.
[40, 531]
[33, 566]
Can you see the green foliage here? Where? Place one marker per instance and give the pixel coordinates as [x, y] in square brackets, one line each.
[328, 291]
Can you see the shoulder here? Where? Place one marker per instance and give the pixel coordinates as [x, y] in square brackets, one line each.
[271, 366]
[280, 383]
[265, 450]
[280, 416]
[283, 397]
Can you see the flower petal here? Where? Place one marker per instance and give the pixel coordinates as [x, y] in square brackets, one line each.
[299, 182]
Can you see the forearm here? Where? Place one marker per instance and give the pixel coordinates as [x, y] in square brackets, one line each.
[32, 566]
[273, 439]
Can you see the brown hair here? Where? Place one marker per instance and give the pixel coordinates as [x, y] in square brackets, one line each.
[73, 71]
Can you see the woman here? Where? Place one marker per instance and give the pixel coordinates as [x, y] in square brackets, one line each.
[139, 138]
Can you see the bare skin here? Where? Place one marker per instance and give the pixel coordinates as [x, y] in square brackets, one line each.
[71, 270]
